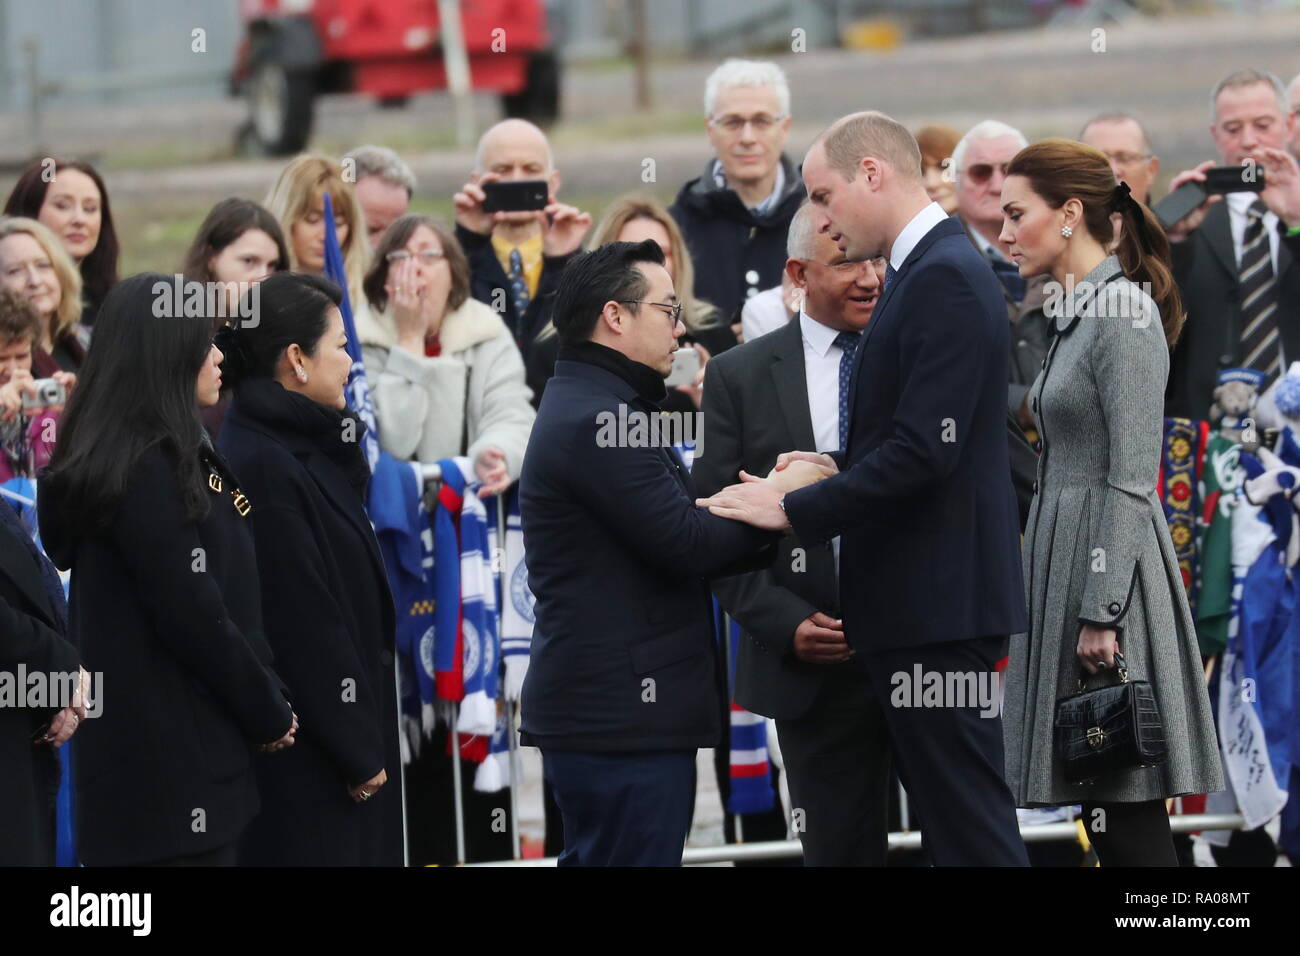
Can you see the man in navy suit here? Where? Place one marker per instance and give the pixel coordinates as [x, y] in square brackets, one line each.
[623, 682]
[930, 575]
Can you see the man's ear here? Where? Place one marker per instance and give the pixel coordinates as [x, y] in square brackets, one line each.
[797, 271]
[611, 318]
[553, 183]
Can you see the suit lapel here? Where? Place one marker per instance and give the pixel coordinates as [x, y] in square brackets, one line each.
[1218, 234]
[790, 376]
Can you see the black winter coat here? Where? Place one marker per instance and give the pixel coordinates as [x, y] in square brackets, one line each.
[735, 253]
[170, 612]
[31, 633]
[330, 621]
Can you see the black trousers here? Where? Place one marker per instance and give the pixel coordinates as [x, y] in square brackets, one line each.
[949, 757]
[837, 764]
[1130, 834]
[622, 809]
[227, 855]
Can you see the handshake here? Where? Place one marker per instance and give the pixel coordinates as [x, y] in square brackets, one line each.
[757, 501]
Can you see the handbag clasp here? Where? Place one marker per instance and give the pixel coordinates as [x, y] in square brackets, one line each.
[1096, 737]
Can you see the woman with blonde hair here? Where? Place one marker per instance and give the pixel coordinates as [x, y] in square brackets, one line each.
[34, 264]
[633, 218]
[1100, 571]
[297, 201]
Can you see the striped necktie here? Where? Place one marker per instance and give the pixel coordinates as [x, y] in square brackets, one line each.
[518, 285]
[1258, 288]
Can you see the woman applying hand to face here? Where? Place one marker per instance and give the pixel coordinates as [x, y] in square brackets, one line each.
[446, 375]
[325, 599]
[33, 264]
[165, 596]
[1101, 575]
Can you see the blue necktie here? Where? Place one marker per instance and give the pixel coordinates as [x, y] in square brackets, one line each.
[518, 285]
[1008, 274]
[890, 272]
[848, 343]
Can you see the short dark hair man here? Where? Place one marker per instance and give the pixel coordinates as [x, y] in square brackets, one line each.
[623, 685]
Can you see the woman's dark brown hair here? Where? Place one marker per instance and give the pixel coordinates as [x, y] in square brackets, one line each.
[395, 237]
[99, 268]
[228, 220]
[1061, 169]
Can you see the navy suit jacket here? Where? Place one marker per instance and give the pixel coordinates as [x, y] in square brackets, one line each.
[930, 546]
[623, 656]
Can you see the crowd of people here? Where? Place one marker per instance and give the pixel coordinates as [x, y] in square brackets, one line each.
[202, 478]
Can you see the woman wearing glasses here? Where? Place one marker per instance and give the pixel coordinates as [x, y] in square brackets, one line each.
[447, 376]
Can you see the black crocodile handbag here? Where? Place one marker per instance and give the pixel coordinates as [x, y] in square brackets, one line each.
[1110, 729]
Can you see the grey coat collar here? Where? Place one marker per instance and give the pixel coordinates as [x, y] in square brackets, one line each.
[1071, 303]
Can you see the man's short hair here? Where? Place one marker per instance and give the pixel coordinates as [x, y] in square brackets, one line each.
[801, 237]
[1119, 118]
[607, 273]
[851, 139]
[18, 319]
[382, 162]
[758, 73]
[985, 129]
[1248, 77]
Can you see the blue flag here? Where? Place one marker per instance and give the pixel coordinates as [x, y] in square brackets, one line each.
[358, 389]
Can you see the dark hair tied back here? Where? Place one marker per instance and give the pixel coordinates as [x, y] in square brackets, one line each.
[238, 356]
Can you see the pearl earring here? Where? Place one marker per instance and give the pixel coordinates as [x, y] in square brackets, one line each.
[1067, 231]
[302, 376]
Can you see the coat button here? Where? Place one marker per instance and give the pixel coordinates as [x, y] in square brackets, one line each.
[752, 277]
[1225, 360]
[1114, 607]
[386, 658]
[1035, 487]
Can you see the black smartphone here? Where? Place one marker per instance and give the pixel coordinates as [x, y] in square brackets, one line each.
[516, 195]
[1234, 179]
[1179, 204]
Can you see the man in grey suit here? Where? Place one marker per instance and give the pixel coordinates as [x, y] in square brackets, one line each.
[779, 392]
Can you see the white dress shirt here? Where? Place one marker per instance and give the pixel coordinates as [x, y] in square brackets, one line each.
[821, 366]
[913, 232]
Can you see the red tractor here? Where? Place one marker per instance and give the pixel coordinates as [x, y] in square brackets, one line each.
[293, 50]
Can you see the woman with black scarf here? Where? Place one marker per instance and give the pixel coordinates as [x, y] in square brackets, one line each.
[325, 598]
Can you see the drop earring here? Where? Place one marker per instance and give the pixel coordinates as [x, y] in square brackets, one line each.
[302, 376]
[1067, 231]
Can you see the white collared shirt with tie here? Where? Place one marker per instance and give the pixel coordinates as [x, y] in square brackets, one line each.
[1266, 413]
[821, 367]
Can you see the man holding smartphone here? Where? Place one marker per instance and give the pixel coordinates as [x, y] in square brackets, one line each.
[1234, 255]
[517, 237]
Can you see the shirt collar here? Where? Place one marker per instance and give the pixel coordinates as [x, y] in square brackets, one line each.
[819, 337]
[720, 178]
[990, 250]
[1240, 203]
[913, 232]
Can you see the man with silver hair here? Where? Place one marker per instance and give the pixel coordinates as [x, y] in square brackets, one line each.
[1234, 256]
[734, 216]
[783, 391]
[384, 187]
[980, 160]
[1293, 97]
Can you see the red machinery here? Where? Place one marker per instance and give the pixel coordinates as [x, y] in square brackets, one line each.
[292, 50]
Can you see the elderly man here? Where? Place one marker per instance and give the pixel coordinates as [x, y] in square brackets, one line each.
[736, 214]
[779, 392]
[1125, 143]
[384, 186]
[980, 161]
[515, 257]
[1231, 258]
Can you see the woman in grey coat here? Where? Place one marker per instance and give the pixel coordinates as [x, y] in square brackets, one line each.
[447, 377]
[1100, 572]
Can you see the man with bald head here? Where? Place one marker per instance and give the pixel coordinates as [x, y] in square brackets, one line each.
[1124, 141]
[515, 258]
[767, 396]
[922, 501]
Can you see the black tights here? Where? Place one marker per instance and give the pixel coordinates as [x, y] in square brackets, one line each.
[1130, 834]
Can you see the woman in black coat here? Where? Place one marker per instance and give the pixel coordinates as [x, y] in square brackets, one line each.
[165, 598]
[334, 800]
[33, 620]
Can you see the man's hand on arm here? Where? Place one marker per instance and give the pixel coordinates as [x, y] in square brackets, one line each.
[755, 501]
[820, 640]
